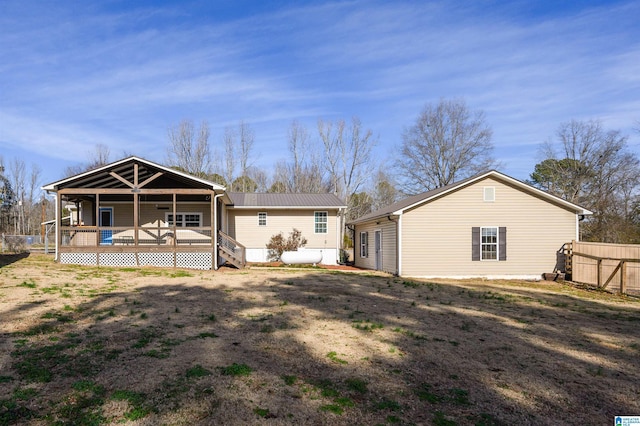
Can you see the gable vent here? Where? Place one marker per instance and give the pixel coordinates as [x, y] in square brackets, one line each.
[489, 193]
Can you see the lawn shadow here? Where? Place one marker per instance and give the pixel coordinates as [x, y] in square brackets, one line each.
[317, 347]
[9, 258]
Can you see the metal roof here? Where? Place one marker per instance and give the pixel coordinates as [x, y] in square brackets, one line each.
[288, 200]
[412, 201]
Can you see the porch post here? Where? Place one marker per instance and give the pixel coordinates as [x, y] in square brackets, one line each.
[214, 231]
[212, 224]
[97, 219]
[136, 218]
[58, 224]
[174, 229]
[98, 230]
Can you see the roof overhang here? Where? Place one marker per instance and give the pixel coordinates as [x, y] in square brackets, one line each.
[515, 182]
[286, 207]
[55, 186]
[493, 173]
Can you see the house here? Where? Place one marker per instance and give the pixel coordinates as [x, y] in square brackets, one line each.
[489, 225]
[254, 218]
[135, 212]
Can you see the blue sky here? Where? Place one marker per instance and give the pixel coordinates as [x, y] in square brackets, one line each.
[74, 74]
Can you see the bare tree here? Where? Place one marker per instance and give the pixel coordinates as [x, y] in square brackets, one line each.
[304, 173]
[361, 204]
[347, 154]
[18, 178]
[448, 142]
[246, 139]
[99, 156]
[347, 159]
[298, 145]
[23, 185]
[189, 148]
[33, 196]
[592, 167]
[260, 178]
[384, 191]
[229, 140]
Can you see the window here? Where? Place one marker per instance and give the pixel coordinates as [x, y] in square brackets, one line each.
[262, 219]
[185, 220]
[489, 193]
[321, 220]
[489, 243]
[364, 244]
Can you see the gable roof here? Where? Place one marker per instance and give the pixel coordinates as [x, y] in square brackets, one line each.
[101, 178]
[254, 200]
[415, 200]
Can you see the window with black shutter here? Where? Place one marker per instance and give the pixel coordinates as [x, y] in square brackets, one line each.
[488, 243]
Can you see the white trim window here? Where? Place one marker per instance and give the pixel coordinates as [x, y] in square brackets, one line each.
[489, 243]
[262, 218]
[185, 219]
[364, 244]
[321, 222]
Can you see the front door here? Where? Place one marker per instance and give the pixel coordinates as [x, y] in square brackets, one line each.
[378, 245]
[105, 217]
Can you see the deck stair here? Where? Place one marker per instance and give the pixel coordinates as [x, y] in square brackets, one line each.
[231, 250]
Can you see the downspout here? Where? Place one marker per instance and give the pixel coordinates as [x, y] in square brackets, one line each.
[392, 219]
[58, 223]
[339, 234]
[215, 230]
[399, 238]
[579, 218]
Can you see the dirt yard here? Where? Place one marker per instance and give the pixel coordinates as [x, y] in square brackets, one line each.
[92, 346]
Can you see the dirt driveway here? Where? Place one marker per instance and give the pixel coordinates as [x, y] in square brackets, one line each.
[81, 345]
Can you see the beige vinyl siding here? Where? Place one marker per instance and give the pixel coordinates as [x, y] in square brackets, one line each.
[436, 237]
[389, 246]
[123, 212]
[244, 223]
[150, 213]
[123, 215]
[88, 215]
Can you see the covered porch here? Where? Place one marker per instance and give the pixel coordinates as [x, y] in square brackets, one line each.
[137, 213]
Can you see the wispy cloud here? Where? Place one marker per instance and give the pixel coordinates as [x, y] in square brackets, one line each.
[76, 74]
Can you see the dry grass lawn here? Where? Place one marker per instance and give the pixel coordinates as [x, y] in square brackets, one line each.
[92, 346]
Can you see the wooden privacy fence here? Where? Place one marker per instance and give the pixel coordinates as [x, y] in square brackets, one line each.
[614, 267]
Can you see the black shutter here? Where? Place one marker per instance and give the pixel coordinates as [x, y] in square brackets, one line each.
[475, 243]
[365, 244]
[502, 243]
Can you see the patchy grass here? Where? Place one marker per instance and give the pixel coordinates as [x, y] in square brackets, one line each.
[101, 346]
[333, 356]
[236, 370]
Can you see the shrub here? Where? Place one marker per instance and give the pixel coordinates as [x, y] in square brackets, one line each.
[278, 244]
[14, 244]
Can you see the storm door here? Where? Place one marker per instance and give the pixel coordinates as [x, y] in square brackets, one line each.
[105, 217]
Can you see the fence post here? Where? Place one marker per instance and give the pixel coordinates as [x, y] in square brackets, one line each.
[623, 277]
[599, 273]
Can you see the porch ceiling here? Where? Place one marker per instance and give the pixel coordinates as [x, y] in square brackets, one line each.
[104, 179]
